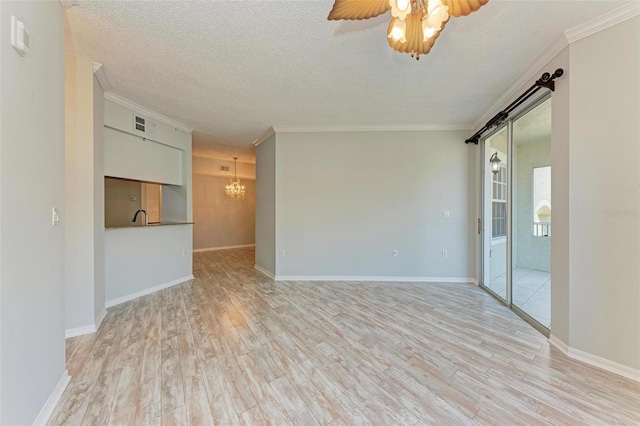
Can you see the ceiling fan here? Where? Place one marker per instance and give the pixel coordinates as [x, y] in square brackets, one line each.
[415, 24]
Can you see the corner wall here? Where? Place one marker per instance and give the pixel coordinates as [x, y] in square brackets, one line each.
[84, 197]
[605, 194]
[266, 205]
[32, 175]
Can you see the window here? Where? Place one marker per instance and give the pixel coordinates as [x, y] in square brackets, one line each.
[542, 201]
[499, 203]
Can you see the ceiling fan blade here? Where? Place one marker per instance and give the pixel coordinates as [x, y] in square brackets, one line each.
[357, 9]
[459, 8]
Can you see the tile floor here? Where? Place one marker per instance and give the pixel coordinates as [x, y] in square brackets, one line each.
[531, 292]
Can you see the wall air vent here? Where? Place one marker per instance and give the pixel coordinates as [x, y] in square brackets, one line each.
[144, 125]
[225, 169]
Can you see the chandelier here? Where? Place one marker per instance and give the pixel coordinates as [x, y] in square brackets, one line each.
[415, 24]
[234, 190]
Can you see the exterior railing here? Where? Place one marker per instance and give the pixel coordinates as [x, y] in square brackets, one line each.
[541, 229]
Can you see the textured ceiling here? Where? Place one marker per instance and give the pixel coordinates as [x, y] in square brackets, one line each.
[231, 69]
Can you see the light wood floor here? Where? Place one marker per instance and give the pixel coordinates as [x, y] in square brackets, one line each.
[233, 347]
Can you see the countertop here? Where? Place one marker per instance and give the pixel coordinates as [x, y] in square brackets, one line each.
[150, 225]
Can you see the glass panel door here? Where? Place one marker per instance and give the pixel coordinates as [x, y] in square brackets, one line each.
[531, 213]
[495, 208]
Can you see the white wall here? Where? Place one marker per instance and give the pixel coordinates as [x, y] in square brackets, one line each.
[139, 260]
[346, 200]
[605, 176]
[266, 205]
[32, 173]
[531, 252]
[142, 259]
[84, 199]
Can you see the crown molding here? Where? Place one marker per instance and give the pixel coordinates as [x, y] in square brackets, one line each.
[571, 35]
[372, 128]
[603, 22]
[533, 70]
[263, 137]
[98, 70]
[110, 96]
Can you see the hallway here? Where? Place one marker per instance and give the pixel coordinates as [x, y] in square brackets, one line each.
[233, 347]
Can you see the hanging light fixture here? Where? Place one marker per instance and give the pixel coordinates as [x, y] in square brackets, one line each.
[495, 163]
[234, 190]
[415, 24]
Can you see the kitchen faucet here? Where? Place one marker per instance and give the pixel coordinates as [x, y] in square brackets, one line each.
[146, 217]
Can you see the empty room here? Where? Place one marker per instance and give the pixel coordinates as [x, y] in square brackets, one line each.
[319, 212]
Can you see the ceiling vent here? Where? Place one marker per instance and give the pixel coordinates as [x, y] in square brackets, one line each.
[144, 125]
[225, 169]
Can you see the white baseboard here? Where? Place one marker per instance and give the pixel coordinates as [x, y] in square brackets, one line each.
[374, 278]
[596, 361]
[474, 281]
[147, 291]
[79, 331]
[223, 248]
[605, 364]
[100, 317]
[87, 329]
[52, 401]
[562, 346]
[264, 271]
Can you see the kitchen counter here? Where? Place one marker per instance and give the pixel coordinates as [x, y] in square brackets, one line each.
[150, 225]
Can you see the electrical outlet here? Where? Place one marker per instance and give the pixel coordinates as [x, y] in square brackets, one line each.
[395, 253]
[444, 253]
[133, 198]
[446, 213]
[281, 252]
[184, 253]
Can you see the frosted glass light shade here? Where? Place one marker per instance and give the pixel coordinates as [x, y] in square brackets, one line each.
[398, 30]
[427, 31]
[400, 8]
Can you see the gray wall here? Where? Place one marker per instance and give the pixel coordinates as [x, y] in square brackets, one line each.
[32, 174]
[220, 222]
[144, 259]
[530, 252]
[604, 178]
[98, 199]
[118, 208]
[346, 200]
[84, 198]
[266, 205]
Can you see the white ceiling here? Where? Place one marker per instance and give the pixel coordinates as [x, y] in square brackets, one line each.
[231, 69]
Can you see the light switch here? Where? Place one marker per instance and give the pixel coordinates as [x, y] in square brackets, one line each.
[19, 36]
[55, 217]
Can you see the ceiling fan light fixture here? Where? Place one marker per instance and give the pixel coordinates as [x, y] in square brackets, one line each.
[400, 8]
[427, 31]
[415, 24]
[398, 30]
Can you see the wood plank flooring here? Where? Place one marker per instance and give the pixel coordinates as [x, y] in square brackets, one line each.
[232, 347]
